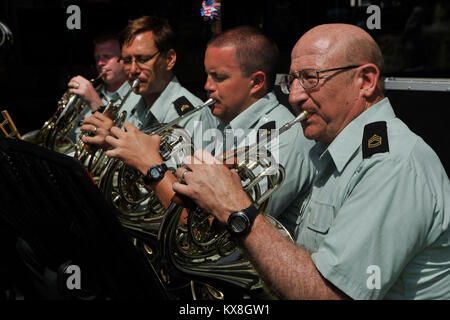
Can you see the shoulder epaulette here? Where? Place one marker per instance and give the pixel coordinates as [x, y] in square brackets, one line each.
[375, 139]
[182, 105]
[266, 130]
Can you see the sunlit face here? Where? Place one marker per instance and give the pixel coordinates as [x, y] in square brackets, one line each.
[106, 55]
[225, 83]
[143, 61]
[332, 102]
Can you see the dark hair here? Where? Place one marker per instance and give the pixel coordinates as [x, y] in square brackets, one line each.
[255, 51]
[105, 37]
[163, 33]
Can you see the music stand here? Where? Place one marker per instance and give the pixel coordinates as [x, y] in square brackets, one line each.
[50, 202]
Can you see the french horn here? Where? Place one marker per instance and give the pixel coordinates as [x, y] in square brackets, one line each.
[6, 36]
[200, 250]
[123, 187]
[195, 248]
[53, 134]
[95, 159]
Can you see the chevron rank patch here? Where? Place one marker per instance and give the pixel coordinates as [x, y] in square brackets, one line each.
[182, 105]
[375, 139]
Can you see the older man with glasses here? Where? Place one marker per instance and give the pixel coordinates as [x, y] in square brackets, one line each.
[376, 224]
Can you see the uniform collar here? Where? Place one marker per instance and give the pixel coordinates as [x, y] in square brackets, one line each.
[253, 114]
[349, 139]
[159, 107]
[121, 92]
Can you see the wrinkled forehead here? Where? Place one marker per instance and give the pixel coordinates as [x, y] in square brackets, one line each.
[314, 51]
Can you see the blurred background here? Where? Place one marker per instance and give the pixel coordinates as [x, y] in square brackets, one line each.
[39, 54]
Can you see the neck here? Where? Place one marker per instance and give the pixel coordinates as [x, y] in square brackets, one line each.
[151, 97]
[375, 100]
[113, 87]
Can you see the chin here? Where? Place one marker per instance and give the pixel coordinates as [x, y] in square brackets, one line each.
[140, 89]
[216, 111]
[310, 133]
[108, 80]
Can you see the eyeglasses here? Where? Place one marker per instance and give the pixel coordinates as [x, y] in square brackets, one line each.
[139, 60]
[309, 78]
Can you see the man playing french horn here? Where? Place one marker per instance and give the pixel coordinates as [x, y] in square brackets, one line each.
[240, 64]
[377, 222]
[115, 87]
[148, 55]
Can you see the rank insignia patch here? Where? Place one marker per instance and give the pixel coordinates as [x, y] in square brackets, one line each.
[182, 105]
[375, 139]
[265, 130]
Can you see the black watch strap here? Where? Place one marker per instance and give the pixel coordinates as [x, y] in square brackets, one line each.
[240, 222]
[251, 212]
[155, 173]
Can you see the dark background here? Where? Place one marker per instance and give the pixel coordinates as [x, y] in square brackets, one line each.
[45, 54]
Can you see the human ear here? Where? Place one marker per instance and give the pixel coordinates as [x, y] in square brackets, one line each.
[258, 81]
[368, 76]
[171, 58]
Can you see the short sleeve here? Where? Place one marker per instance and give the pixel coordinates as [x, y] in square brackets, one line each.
[382, 223]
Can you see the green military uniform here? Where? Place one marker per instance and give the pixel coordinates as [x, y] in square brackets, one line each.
[377, 219]
[173, 102]
[291, 150]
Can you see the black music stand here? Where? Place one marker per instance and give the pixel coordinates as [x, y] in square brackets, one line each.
[52, 211]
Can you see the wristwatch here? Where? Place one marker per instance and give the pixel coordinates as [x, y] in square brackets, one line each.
[239, 223]
[155, 173]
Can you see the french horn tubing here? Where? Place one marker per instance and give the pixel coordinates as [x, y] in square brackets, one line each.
[57, 139]
[53, 134]
[95, 159]
[140, 210]
[198, 248]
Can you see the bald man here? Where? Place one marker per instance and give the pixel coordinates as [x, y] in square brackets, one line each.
[376, 223]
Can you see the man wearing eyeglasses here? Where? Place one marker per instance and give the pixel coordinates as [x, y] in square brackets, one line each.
[240, 64]
[377, 221]
[148, 55]
[114, 88]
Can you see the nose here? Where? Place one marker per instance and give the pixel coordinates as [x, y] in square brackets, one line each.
[209, 85]
[101, 63]
[133, 69]
[297, 94]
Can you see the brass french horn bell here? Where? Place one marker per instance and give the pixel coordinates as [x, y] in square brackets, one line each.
[140, 210]
[197, 248]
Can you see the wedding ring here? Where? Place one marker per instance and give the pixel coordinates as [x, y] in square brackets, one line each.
[184, 174]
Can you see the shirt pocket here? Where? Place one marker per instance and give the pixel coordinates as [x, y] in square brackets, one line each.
[321, 217]
[318, 223]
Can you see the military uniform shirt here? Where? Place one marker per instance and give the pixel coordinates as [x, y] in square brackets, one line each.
[292, 148]
[378, 226]
[164, 110]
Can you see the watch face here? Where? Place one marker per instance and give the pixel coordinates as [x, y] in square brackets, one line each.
[154, 172]
[239, 223]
